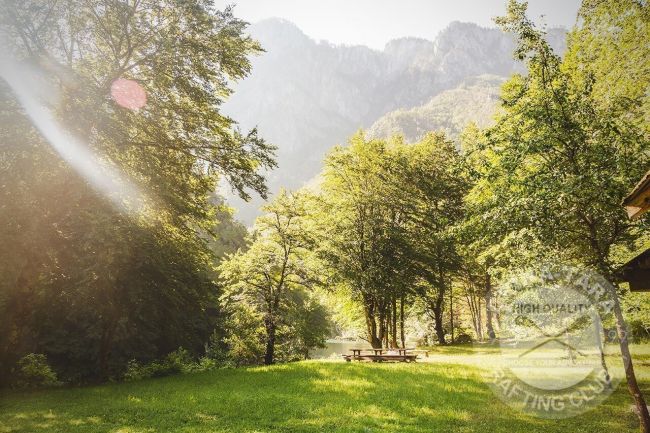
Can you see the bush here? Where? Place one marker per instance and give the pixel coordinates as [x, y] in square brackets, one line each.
[463, 339]
[245, 340]
[639, 330]
[33, 372]
[178, 361]
[135, 371]
[206, 364]
[162, 369]
[216, 349]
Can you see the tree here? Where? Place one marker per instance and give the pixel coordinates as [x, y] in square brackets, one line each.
[90, 285]
[566, 155]
[308, 326]
[388, 212]
[355, 228]
[429, 190]
[264, 277]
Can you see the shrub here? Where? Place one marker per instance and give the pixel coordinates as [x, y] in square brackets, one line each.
[162, 369]
[178, 361]
[205, 364]
[33, 371]
[463, 339]
[135, 371]
[216, 349]
[639, 330]
[245, 340]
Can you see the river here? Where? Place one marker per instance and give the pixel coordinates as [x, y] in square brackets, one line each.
[336, 348]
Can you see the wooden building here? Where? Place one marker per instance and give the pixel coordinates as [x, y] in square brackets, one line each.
[638, 201]
[637, 271]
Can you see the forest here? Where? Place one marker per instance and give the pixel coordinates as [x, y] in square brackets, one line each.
[125, 261]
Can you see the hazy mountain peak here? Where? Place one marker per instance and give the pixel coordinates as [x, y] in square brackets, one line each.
[464, 26]
[409, 42]
[278, 34]
[305, 96]
[280, 26]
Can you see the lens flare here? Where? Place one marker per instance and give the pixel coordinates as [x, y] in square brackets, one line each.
[34, 98]
[128, 93]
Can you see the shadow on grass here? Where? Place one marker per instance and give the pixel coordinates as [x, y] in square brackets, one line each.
[300, 397]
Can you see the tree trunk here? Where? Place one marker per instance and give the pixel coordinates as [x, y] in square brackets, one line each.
[451, 312]
[394, 324]
[386, 333]
[440, 331]
[474, 310]
[371, 323]
[632, 385]
[488, 308]
[401, 322]
[383, 335]
[437, 317]
[479, 316]
[599, 341]
[269, 324]
[374, 340]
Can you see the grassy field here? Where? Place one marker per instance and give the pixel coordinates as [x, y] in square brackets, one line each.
[445, 394]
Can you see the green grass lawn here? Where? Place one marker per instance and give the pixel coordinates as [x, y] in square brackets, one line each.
[435, 396]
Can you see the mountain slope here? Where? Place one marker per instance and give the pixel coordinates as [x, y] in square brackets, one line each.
[451, 110]
[306, 96]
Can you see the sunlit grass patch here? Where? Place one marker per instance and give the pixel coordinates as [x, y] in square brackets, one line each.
[448, 394]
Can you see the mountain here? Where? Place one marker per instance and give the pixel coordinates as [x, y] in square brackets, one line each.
[306, 96]
[474, 100]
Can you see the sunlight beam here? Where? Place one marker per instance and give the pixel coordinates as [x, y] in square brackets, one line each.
[23, 80]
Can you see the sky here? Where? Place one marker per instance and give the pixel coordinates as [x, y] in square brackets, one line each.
[375, 22]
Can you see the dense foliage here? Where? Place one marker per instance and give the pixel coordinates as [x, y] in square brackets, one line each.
[388, 208]
[398, 238]
[93, 278]
[271, 314]
[406, 229]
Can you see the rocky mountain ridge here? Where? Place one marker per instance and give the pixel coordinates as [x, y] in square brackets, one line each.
[306, 96]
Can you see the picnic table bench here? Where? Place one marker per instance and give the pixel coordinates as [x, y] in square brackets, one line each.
[378, 355]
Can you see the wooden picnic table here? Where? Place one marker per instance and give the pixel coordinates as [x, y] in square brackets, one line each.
[379, 355]
[380, 351]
